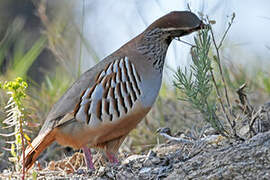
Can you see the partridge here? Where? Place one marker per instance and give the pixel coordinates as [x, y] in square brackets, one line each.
[111, 98]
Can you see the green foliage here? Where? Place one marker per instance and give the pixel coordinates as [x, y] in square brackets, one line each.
[23, 61]
[196, 85]
[22, 57]
[16, 89]
[15, 114]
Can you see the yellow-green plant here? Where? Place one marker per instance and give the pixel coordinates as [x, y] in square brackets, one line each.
[15, 118]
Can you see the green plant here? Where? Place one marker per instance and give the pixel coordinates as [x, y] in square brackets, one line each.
[15, 118]
[196, 84]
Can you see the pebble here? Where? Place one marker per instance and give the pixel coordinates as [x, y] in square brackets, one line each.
[145, 170]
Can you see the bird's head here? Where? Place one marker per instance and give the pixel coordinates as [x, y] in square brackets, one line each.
[177, 24]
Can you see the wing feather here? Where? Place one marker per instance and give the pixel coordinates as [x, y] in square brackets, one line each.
[116, 89]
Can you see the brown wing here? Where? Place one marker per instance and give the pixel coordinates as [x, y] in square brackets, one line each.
[69, 100]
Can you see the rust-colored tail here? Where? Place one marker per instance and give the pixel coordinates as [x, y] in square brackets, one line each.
[41, 142]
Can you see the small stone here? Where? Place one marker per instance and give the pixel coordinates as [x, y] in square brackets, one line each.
[133, 158]
[210, 131]
[80, 171]
[101, 171]
[156, 170]
[244, 130]
[110, 175]
[155, 161]
[145, 170]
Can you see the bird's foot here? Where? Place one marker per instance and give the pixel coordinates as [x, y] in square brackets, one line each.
[88, 159]
[112, 158]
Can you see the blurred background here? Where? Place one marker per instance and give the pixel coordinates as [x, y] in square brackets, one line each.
[50, 43]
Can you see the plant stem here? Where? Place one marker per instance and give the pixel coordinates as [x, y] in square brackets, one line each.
[226, 31]
[220, 68]
[219, 99]
[23, 150]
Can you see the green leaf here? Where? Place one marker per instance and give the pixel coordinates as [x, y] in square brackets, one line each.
[21, 66]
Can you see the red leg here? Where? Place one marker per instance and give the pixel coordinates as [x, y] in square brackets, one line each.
[88, 158]
[112, 158]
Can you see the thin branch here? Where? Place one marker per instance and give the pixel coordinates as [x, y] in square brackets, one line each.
[245, 105]
[185, 42]
[180, 140]
[223, 108]
[23, 149]
[219, 64]
[220, 100]
[254, 118]
[227, 30]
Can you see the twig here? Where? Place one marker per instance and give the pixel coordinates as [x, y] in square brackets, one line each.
[220, 100]
[246, 107]
[185, 42]
[254, 118]
[217, 47]
[23, 149]
[226, 31]
[218, 61]
[223, 109]
[180, 140]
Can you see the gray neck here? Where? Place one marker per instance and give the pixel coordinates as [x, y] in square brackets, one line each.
[154, 46]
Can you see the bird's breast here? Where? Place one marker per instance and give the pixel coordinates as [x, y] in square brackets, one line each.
[150, 87]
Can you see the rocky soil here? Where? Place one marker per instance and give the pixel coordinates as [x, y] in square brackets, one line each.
[209, 156]
[213, 157]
